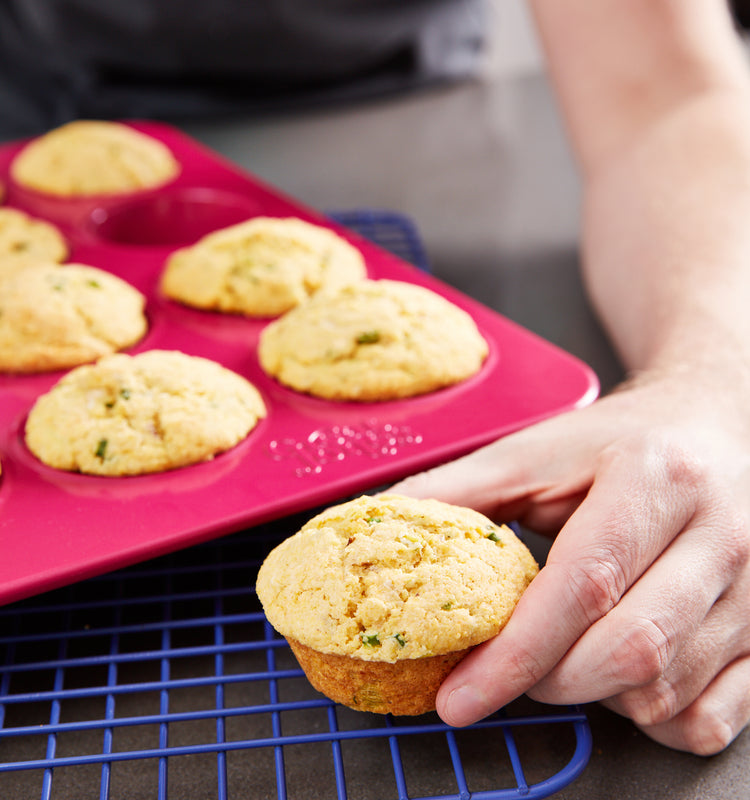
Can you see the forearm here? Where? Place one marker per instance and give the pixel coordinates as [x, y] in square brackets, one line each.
[620, 65]
[656, 98]
[666, 239]
[644, 599]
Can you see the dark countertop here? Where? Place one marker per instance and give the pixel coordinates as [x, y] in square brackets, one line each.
[484, 171]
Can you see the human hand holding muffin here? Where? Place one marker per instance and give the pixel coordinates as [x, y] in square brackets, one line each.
[382, 596]
[642, 602]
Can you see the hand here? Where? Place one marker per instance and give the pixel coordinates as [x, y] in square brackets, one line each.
[644, 602]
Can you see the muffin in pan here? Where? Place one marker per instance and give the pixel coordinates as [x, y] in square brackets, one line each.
[93, 157]
[25, 240]
[380, 597]
[134, 415]
[261, 267]
[55, 316]
[373, 340]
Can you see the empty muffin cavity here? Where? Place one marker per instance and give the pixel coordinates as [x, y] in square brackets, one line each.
[171, 218]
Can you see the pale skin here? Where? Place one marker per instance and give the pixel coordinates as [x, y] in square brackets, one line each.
[644, 601]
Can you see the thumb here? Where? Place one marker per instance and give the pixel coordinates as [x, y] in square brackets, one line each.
[536, 476]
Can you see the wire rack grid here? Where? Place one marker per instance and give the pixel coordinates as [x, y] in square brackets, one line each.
[164, 680]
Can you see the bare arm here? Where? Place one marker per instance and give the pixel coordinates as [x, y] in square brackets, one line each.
[619, 66]
[656, 97]
[644, 602]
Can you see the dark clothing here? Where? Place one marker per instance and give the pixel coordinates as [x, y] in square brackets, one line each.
[741, 9]
[171, 59]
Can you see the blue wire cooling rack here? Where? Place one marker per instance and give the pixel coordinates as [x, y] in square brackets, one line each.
[165, 681]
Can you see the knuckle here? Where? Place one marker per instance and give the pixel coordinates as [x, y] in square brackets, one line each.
[735, 538]
[642, 652]
[706, 732]
[653, 705]
[691, 488]
[684, 469]
[664, 460]
[661, 451]
[524, 668]
[598, 584]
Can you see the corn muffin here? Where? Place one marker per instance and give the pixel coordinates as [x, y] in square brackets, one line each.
[25, 240]
[151, 412]
[261, 268]
[93, 157]
[56, 316]
[380, 597]
[372, 340]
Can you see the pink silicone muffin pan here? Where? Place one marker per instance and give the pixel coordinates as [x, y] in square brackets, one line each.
[58, 527]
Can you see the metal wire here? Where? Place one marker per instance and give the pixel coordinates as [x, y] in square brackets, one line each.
[172, 661]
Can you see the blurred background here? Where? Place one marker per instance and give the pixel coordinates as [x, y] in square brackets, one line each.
[481, 165]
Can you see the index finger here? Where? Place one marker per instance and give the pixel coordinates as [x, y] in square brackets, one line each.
[608, 542]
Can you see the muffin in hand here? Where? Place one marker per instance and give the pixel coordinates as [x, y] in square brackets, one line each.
[380, 597]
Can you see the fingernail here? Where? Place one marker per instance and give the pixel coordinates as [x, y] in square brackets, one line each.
[465, 705]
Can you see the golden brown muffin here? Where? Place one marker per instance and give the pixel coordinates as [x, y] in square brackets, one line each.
[132, 415]
[93, 157]
[382, 596]
[56, 316]
[261, 267]
[25, 240]
[372, 340]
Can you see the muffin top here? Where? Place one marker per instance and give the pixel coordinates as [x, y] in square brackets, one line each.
[93, 157]
[131, 415]
[25, 240]
[386, 577]
[373, 340]
[55, 316]
[261, 267]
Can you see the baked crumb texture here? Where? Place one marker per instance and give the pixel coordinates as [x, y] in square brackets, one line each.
[129, 415]
[56, 316]
[406, 688]
[93, 157]
[396, 591]
[261, 268]
[25, 241]
[373, 340]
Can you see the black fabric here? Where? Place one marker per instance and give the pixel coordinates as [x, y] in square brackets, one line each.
[741, 11]
[165, 59]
